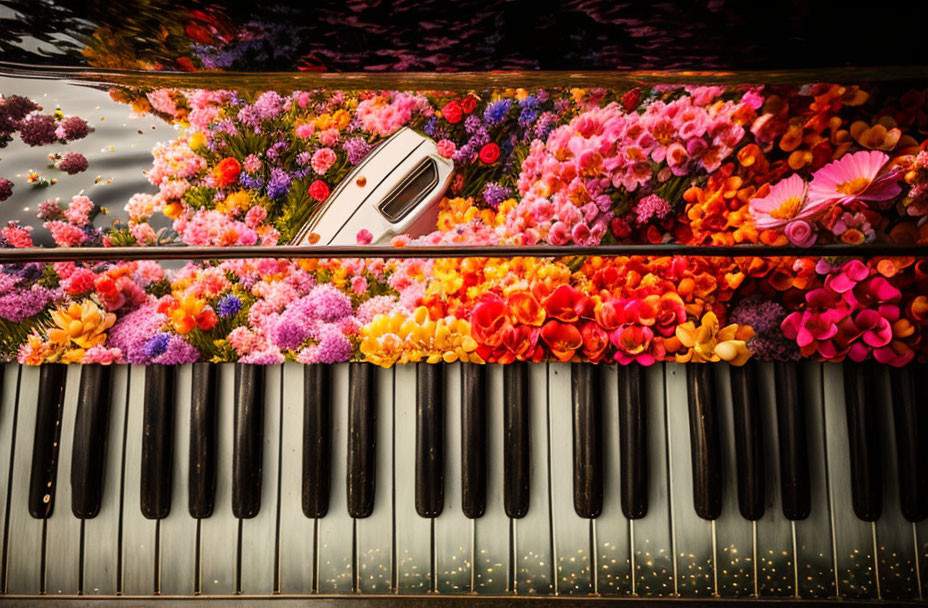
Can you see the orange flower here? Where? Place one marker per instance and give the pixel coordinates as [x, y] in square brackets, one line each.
[562, 338]
[525, 309]
[227, 172]
[184, 317]
[883, 135]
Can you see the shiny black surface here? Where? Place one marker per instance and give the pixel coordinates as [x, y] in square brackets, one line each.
[705, 446]
[516, 440]
[860, 398]
[317, 440]
[633, 441]
[473, 439]
[430, 439]
[248, 440]
[793, 443]
[202, 470]
[586, 394]
[749, 445]
[90, 436]
[362, 435]
[909, 386]
[158, 441]
[42, 481]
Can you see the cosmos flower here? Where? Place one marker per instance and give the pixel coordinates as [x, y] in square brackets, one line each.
[854, 177]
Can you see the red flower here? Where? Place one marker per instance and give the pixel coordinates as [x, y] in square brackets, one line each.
[525, 309]
[631, 99]
[521, 341]
[488, 321]
[469, 104]
[207, 319]
[562, 339]
[595, 341]
[319, 190]
[227, 172]
[489, 153]
[565, 303]
[452, 112]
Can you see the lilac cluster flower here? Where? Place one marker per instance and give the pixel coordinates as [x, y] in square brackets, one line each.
[50, 211]
[72, 163]
[467, 153]
[72, 128]
[472, 123]
[356, 148]
[378, 305]
[496, 112]
[155, 346]
[274, 152]
[250, 182]
[304, 158]
[529, 112]
[6, 189]
[132, 332]
[332, 347]
[38, 130]
[13, 109]
[651, 207]
[269, 105]
[228, 305]
[546, 123]
[494, 194]
[178, 352]
[279, 184]
[765, 317]
[326, 303]
[430, 126]
[22, 303]
[291, 330]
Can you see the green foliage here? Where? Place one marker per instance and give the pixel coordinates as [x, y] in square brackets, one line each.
[120, 237]
[200, 197]
[294, 210]
[159, 288]
[16, 334]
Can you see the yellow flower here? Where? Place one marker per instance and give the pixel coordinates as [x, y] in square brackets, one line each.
[397, 338]
[196, 140]
[236, 201]
[709, 343]
[79, 327]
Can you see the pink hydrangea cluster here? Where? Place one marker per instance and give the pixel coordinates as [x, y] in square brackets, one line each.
[79, 210]
[855, 314]
[174, 161]
[384, 114]
[209, 227]
[205, 106]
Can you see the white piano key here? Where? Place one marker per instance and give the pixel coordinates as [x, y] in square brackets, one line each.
[259, 533]
[895, 549]
[491, 563]
[853, 537]
[614, 564]
[375, 533]
[101, 533]
[25, 572]
[63, 532]
[735, 535]
[179, 529]
[138, 533]
[814, 541]
[652, 535]
[413, 533]
[775, 573]
[9, 376]
[571, 532]
[692, 534]
[534, 551]
[219, 532]
[452, 529]
[296, 530]
[336, 528]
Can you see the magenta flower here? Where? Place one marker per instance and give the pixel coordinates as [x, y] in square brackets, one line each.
[800, 233]
[854, 177]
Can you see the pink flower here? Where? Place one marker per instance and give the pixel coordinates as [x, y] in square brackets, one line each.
[446, 148]
[854, 177]
[102, 355]
[359, 285]
[305, 130]
[800, 233]
[786, 202]
[78, 211]
[64, 234]
[143, 233]
[328, 137]
[365, 237]
[323, 159]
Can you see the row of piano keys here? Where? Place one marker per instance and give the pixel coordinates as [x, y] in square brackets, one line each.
[698, 480]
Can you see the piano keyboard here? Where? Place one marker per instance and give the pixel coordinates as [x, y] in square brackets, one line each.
[771, 481]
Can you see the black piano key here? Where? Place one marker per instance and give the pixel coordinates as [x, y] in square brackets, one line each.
[704, 441]
[202, 466]
[749, 448]
[89, 449]
[157, 441]
[474, 440]
[863, 439]
[911, 439]
[633, 441]
[362, 434]
[248, 440]
[430, 461]
[588, 439]
[793, 444]
[317, 439]
[516, 444]
[47, 434]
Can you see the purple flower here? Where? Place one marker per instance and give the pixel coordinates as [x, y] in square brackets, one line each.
[765, 317]
[73, 127]
[303, 158]
[279, 184]
[252, 183]
[132, 332]
[271, 356]
[156, 346]
[38, 130]
[494, 194]
[228, 305]
[269, 105]
[178, 352]
[327, 303]
[20, 304]
[496, 111]
[356, 148]
[472, 123]
[73, 162]
[333, 347]
[650, 208]
[274, 152]
[290, 331]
